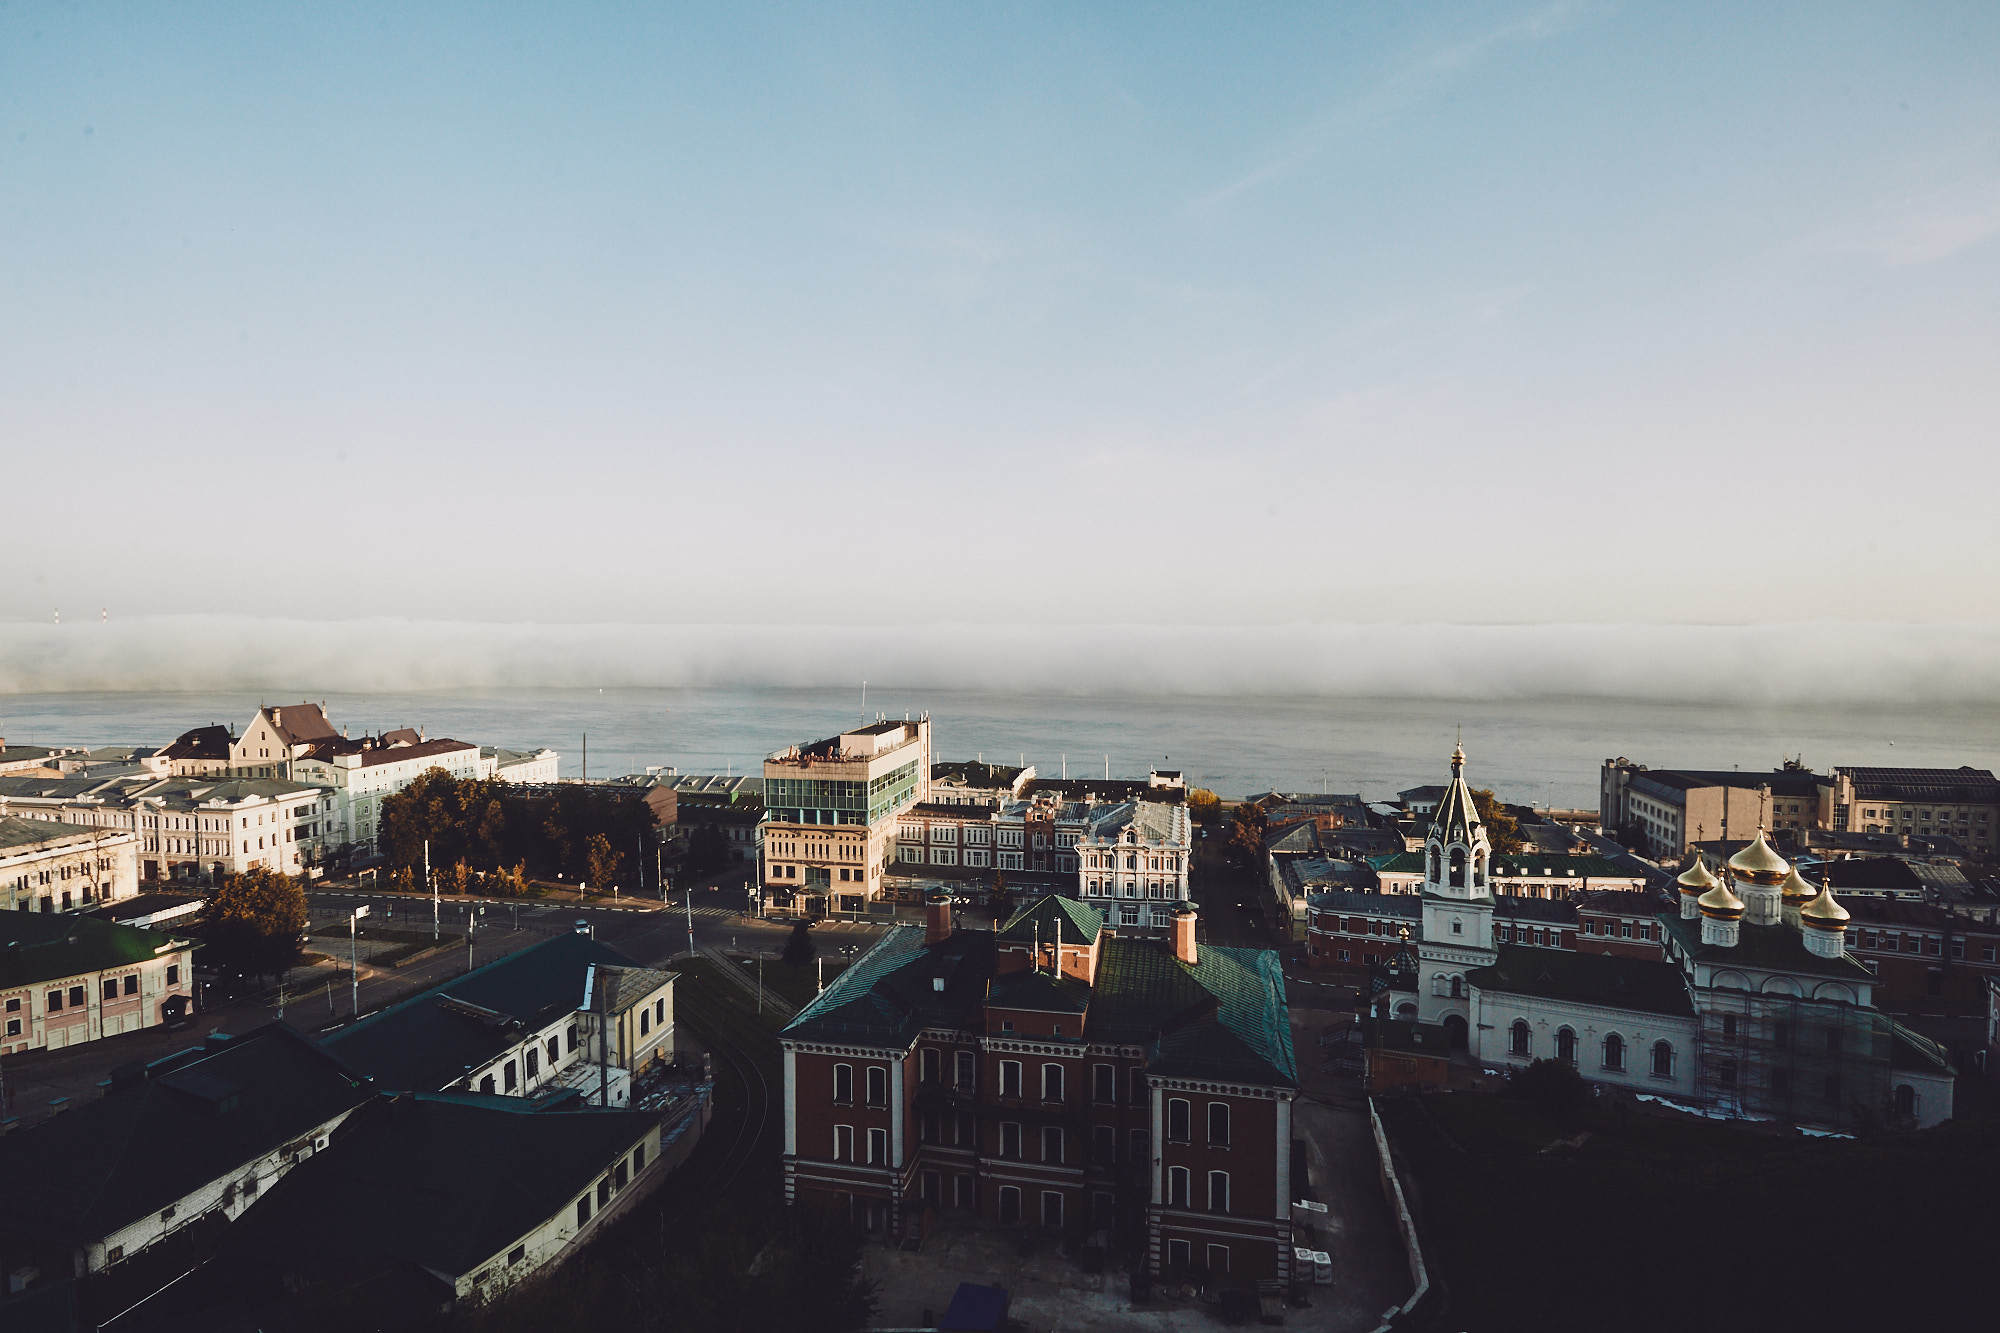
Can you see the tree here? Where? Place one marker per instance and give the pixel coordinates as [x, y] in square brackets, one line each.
[601, 862]
[1502, 829]
[1552, 1087]
[253, 922]
[1203, 804]
[800, 948]
[1246, 836]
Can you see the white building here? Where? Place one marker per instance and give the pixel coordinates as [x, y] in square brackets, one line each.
[48, 866]
[186, 828]
[1757, 1009]
[523, 766]
[1133, 860]
[361, 774]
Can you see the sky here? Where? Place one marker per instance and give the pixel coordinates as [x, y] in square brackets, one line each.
[914, 316]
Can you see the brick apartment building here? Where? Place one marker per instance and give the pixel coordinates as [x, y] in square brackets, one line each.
[1053, 1074]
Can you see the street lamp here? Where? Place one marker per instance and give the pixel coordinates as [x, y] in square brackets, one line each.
[354, 954]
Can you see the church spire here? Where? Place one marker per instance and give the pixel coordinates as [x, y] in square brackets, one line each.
[1458, 851]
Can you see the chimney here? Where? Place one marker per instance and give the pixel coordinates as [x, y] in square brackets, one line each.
[937, 917]
[1183, 928]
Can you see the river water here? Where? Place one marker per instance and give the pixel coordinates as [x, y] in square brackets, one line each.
[1543, 752]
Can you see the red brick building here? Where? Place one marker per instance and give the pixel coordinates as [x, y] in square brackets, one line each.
[1926, 960]
[1056, 1075]
[1622, 923]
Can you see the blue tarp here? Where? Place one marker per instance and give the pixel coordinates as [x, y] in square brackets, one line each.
[975, 1309]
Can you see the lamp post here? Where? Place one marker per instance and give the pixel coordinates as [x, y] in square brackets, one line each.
[354, 954]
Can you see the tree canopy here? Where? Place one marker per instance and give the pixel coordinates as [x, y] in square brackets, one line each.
[1502, 829]
[253, 922]
[799, 946]
[593, 833]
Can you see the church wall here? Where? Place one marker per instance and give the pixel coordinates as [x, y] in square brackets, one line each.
[1498, 1012]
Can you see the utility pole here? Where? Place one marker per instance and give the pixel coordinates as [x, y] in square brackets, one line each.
[469, 925]
[434, 890]
[820, 959]
[660, 871]
[760, 981]
[688, 893]
[354, 954]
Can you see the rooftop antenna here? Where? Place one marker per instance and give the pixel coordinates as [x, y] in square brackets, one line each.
[1107, 768]
[864, 701]
[1038, 946]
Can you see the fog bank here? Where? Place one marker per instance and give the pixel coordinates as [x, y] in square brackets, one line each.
[1773, 664]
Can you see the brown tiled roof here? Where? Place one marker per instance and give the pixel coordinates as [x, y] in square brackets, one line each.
[393, 754]
[300, 722]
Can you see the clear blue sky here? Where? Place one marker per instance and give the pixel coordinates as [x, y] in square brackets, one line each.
[1574, 311]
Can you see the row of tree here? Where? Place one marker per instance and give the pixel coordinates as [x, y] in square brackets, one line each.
[489, 827]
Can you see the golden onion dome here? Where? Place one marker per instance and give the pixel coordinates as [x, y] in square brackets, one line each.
[1758, 864]
[1797, 891]
[1824, 912]
[1697, 878]
[1721, 902]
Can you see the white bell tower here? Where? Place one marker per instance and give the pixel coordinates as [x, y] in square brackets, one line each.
[1458, 905]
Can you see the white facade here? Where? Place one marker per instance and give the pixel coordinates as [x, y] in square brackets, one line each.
[1640, 1051]
[1458, 904]
[187, 828]
[59, 867]
[1133, 861]
[360, 781]
[531, 767]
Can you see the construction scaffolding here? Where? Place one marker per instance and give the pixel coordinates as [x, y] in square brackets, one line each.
[1784, 1057]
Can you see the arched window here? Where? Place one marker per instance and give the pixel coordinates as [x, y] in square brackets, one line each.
[1438, 984]
[1906, 1100]
[1566, 1046]
[1458, 867]
[1518, 1037]
[1614, 1051]
[1479, 870]
[1436, 866]
[1663, 1059]
[1458, 988]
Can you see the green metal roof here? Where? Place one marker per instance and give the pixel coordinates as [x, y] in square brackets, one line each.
[1077, 922]
[1039, 991]
[48, 946]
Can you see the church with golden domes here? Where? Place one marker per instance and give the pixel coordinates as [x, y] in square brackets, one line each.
[1754, 1009]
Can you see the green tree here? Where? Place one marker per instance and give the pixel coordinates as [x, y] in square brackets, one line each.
[253, 922]
[1552, 1087]
[1502, 829]
[800, 949]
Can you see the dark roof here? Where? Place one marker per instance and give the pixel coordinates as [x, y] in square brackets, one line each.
[1221, 1017]
[1522, 864]
[426, 1042]
[143, 904]
[627, 986]
[1769, 948]
[1873, 872]
[201, 743]
[1950, 786]
[1520, 907]
[403, 736]
[194, 1118]
[18, 832]
[958, 809]
[1077, 922]
[1620, 902]
[47, 946]
[1430, 793]
[1917, 1053]
[1781, 781]
[444, 1181]
[1402, 905]
[974, 773]
[396, 754]
[1601, 979]
[1039, 991]
[1107, 789]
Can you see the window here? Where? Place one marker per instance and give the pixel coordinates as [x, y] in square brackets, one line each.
[638, 1159]
[968, 1065]
[173, 974]
[878, 1086]
[569, 1038]
[878, 1145]
[1010, 1078]
[1218, 1258]
[1010, 1198]
[1052, 1144]
[1052, 1209]
[486, 1084]
[843, 1143]
[1010, 1139]
[927, 1065]
[645, 1021]
[507, 1075]
[517, 1254]
[534, 1062]
[1179, 1255]
[114, 1254]
[554, 1053]
[1177, 1186]
[1103, 1145]
[1566, 1046]
[1052, 1083]
[843, 1085]
[583, 1210]
[13, 1027]
[132, 984]
[1518, 1038]
[1179, 1113]
[1218, 1124]
[1614, 1051]
[1218, 1191]
[1729, 1025]
[55, 1002]
[1663, 1059]
[1104, 1084]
